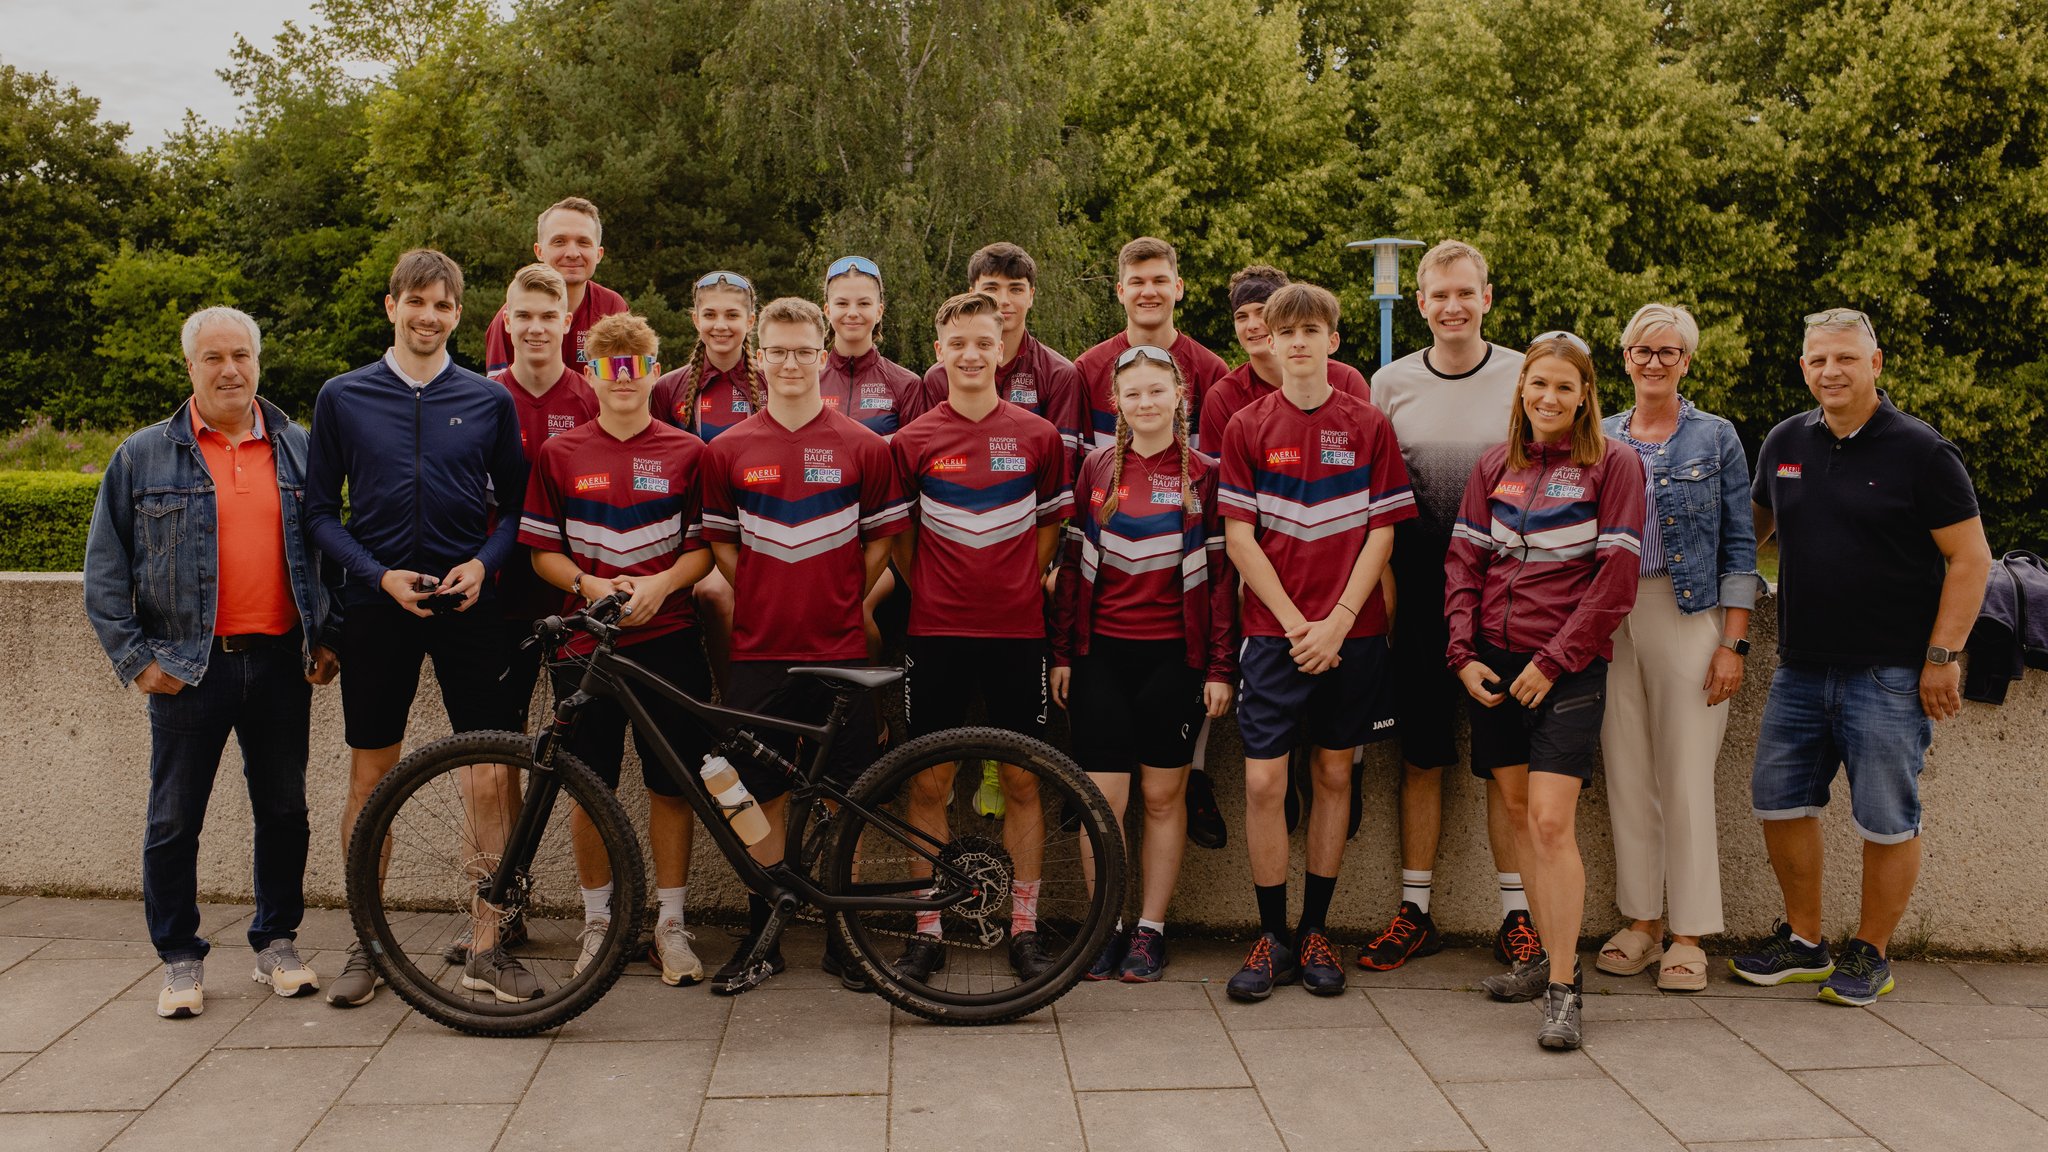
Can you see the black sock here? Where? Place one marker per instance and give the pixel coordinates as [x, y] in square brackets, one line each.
[1315, 900]
[1273, 911]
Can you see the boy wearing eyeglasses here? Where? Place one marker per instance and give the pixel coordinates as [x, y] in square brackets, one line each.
[613, 506]
[1030, 375]
[1311, 487]
[569, 238]
[989, 479]
[1148, 285]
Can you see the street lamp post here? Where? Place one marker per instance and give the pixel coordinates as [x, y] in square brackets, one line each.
[1386, 284]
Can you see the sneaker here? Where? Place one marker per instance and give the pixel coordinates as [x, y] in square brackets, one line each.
[988, 799]
[589, 942]
[1146, 958]
[1783, 960]
[1517, 940]
[280, 967]
[496, 972]
[1412, 934]
[1109, 962]
[1859, 978]
[1523, 982]
[182, 996]
[1322, 970]
[357, 983]
[1270, 963]
[670, 951]
[1561, 1030]
[511, 934]
[730, 979]
[922, 958]
[1027, 959]
[1206, 828]
[838, 963]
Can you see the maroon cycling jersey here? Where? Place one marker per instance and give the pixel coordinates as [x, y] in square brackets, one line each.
[1151, 569]
[568, 403]
[722, 403]
[1244, 387]
[1200, 369]
[983, 488]
[1038, 380]
[874, 390]
[1314, 485]
[800, 505]
[1544, 559]
[598, 303]
[618, 508]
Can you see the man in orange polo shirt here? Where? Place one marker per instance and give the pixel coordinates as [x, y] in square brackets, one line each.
[205, 592]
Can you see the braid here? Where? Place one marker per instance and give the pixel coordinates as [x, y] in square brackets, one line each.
[1187, 470]
[1119, 450]
[694, 372]
[747, 372]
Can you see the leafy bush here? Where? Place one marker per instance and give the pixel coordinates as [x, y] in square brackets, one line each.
[43, 520]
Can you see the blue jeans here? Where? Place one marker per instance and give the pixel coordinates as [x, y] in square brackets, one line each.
[1821, 716]
[263, 699]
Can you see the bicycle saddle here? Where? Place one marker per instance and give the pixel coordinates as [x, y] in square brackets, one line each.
[866, 679]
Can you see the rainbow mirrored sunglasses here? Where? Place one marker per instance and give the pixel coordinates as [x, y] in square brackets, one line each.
[1147, 351]
[845, 264]
[622, 367]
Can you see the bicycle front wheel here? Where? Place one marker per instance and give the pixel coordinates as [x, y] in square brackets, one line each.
[1026, 838]
[428, 843]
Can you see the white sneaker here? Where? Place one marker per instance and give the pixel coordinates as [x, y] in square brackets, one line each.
[182, 995]
[280, 967]
[590, 940]
[671, 953]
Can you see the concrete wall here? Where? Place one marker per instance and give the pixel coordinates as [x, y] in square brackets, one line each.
[74, 781]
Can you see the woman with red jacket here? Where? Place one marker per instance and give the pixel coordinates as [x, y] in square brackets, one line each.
[1542, 568]
[1144, 635]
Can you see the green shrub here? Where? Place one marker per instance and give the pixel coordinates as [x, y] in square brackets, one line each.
[43, 519]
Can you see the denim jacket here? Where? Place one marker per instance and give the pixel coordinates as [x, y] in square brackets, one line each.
[150, 558]
[1700, 482]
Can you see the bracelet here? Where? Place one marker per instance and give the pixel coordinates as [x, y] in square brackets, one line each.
[1348, 608]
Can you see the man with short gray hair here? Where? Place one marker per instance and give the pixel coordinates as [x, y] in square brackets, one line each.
[205, 592]
[1881, 569]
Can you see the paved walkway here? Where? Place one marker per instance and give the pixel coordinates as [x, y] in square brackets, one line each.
[1417, 1059]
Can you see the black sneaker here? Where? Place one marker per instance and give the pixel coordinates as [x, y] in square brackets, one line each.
[1516, 941]
[730, 979]
[1561, 1030]
[1206, 828]
[1270, 963]
[1146, 958]
[922, 958]
[1027, 959]
[1783, 960]
[838, 963]
[1110, 960]
[1322, 970]
[1412, 934]
[1859, 978]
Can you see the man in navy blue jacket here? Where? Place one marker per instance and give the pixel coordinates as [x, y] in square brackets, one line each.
[430, 455]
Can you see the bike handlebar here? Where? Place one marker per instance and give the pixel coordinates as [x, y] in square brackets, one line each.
[600, 619]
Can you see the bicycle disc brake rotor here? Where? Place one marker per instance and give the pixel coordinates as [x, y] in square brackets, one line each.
[517, 896]
[986, 864]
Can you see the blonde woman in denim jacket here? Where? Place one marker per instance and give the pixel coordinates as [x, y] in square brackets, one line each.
[1678, 657]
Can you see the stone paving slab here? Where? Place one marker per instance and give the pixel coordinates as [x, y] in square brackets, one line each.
[1930, 1109]
[944, 1082]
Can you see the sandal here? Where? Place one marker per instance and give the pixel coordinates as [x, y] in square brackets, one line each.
[1628, 952]
[1684, 970]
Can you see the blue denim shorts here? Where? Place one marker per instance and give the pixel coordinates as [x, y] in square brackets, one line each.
[1822, 716]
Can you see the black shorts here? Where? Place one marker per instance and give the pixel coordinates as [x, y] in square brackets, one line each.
[767, 687]
[1135, 702]
[600, 739]
[382, 647]
[522, 672]
[1426, 693]
[1349, 705]
[944, 675]
[1561, 735]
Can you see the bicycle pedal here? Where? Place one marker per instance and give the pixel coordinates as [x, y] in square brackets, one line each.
[751, 978]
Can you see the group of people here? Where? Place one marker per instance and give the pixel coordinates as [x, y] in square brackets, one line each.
[1142, 536]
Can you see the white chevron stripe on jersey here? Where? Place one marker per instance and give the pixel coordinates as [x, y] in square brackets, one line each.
[1574, 538]
[624, 549]
[1625, 540]
[1153, 554]
[791, 548]
[1313, 516]
[886, 516]
[1405, 498]
[1343, 524]
[539, 527]
[979, 529]
[1194, 570]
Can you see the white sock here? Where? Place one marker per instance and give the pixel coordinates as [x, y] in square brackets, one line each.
[671, 901]
[1415, 887]
[1512, 898]
[597, 903]
[1802, 941]
[1155, 925]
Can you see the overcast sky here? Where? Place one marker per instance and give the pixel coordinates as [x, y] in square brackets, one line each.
[146, 60]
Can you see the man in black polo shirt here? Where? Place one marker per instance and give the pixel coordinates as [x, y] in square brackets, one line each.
[1882, 560]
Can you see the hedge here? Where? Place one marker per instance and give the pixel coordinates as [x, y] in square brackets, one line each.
[43, 519]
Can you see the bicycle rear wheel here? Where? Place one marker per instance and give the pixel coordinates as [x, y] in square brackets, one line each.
[443, 818]
[975, 983]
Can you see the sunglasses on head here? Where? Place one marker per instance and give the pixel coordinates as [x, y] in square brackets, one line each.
[1835, 315]
[1137, 352]
[729, 279]
[1567, 337]
[622, 367]
[845, 264]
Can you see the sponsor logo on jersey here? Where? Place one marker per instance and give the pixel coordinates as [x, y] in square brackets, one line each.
[1568, 474]
[558, 423]
[1381, 725]
[819, 458]
[642, 466]
[1510, 489]
[1024, 388]
[1340, 458]
[821, 476]
[1335, 438]
[595, 482]
[949, 464]
[1007, 464]
[1098, 496]
[761, 474]
[1166, 496]
[1788, 471]
[877, 403]
[1565, 491]
[1002, 446]
[651, 484]
[1278, 456]
[832, 402]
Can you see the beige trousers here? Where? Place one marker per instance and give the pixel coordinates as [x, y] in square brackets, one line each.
[1659, 744]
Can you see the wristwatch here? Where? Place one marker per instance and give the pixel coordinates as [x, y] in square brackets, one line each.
[1936, 654]
[1739, 647]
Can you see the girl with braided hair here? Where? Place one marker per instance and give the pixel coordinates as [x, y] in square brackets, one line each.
[1144, 628]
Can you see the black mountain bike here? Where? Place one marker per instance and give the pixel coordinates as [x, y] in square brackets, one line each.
[428, 853]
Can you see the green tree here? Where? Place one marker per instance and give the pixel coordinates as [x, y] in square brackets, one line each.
[140, 301]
